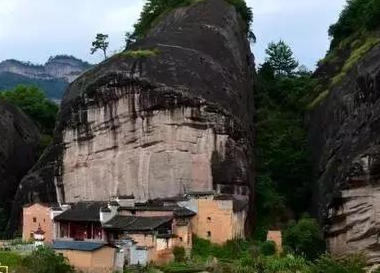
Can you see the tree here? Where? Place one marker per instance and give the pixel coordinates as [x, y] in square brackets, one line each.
[280, 57]
[129, 39]
[33, 102]
[305, 238]
[100, 43]
[3, 221]
[45, 260]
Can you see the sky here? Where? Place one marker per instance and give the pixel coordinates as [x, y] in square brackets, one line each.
[34, 30]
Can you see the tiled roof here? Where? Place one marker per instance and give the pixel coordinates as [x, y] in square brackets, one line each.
[184, 212]
[77, 245]
[177, 211]
[200, 193]
[148, 208]
[82, 212]
[126, 197]
[134, 223]
[105, 209]
[47, 205]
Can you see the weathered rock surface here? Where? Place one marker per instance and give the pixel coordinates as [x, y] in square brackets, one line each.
[346, 137]
[19, 140]
[158, 126]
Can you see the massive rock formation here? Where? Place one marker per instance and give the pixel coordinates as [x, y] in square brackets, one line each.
[346, 140]
[19, 140]
[53, 77]
[178, 118]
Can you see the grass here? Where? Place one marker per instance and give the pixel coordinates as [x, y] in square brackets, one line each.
[140, 54]
[10, 259]
[355, 56]
[318, 100]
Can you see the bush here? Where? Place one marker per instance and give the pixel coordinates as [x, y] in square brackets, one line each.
[10, 259]
[305, 238]
[357, 15]
[179, 254]
[350, 264]
[45, 260]
[268, 248]
[154, 10]
[33, 102]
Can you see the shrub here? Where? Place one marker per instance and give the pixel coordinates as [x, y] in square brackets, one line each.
[350, 264]
[154, 10]
[33, 102]
[138, 54]
[305, 238]
[45, 260]
[268, 248]
[179, 254]
[355, 56]
[10, 259]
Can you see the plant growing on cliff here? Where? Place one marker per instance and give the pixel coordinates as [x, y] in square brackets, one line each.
[100, 43]
[33, 102]
[358, 15]
[154, 10]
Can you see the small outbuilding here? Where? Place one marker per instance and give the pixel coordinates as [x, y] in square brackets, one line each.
[91, 257]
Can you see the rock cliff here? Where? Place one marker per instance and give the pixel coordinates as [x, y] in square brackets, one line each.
[53, 77]
[345, 138]
[173, 114]
[19, 139]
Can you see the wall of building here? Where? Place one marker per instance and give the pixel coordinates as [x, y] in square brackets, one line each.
[276, 237]
[216, 221]
[238, 223]
[98, 261]
[185, 236]
[34, 216]
[139, 256]
[146, 240]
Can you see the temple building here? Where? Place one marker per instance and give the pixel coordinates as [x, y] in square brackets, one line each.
[140, 232]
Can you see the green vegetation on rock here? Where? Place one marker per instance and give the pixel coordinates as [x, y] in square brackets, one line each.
[33, 102]
[355, 56]
[358, 15]
[155, 10]
[139, 54]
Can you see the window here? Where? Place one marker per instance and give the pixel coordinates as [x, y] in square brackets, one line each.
[208, 219]
[34, 219]
[44, 221]
[208, 233]
[180, 238]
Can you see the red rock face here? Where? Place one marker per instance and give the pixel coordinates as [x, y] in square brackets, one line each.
[160, 126]
[345, 136]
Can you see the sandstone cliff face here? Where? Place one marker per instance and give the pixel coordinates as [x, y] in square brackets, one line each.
[19, 139]
[345, 136]
[159, 126]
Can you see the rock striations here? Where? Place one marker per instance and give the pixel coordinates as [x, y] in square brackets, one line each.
[18, 151]
[345, 136]
[176, 120]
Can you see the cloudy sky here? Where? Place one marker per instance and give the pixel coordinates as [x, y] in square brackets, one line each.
[33, 30]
